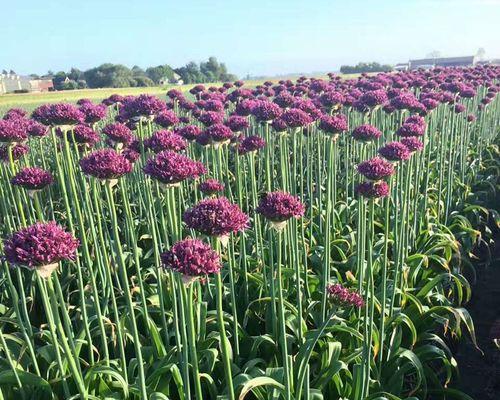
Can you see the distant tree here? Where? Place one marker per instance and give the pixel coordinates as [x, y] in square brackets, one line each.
[143, 81]
[69, 85]
[109, 75]
[365, 67]
[160, 72]
[137, 71]
[58, 80]
[191, 73]
[75, 74]
[12, 72]
[5, 72]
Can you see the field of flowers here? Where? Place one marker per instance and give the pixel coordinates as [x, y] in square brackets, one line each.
[298, 240]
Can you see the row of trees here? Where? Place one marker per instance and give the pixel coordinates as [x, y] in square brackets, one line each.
[118, 75]
[365, 67]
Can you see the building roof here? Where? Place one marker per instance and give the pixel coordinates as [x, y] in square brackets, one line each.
[443, 61]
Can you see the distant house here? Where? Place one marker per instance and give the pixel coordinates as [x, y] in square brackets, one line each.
[426, 63]
[13, 83]
[174, 80]
[401, 67]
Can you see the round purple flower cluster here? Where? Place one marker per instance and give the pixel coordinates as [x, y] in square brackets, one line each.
[296, 118]
[171, 168]
[211, 187]
[189, 132]
[413, 143]
[82, 134]
[237, 123]
[17, 150]
[265, 111]
[376, 169]
[105, 164]
[165, 140]
[333, 124]
[40, 245]
[331, 98]
[58, 114]
[32, 178]
[192, 258]
[142, 106]
[343, 296]
[210, 118]
[280, 206]
[11, 131]
[373, 189]
[216, 217]
[395, 151]
[166, 119]
[93, 112]
[251, 144]
[118, 133]
[409, 129]
[366, 133]
[215, 134]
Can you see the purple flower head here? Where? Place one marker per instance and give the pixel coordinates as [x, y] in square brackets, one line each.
[413, 143]
[239, 83]
[237, 123]
[81, 134]
[411, 129]
[32, 178]
[171, 168]
[93, 112]
[373, 98]
[376, 169]
[344, 297]
[459, 108]
[245, 107]
[265, 111]
[280, 206]
[430, 104]
[471, 118]
[210, 118]
[40, 245]
[189, 132]
[366, 133]
[105, 164]
[333, 124]
[58, 114]
[145, 105]
[405, 101]
[192, 258]
[36, 129]
[395, 151]
[11, 131]
[214, 105]
[279, 125]
[15, 113]
[118, 133]
[113, 99]
[131, 154]
[331, 98]
[284, 100]
[175, 94]
[165, 140]
[83, 101]
[250, 144]
[211, 187]
[218, 133]
[374, 189]
[166, 119]
[216, 217]
[296, 118]
[18, 151]
[467, 92]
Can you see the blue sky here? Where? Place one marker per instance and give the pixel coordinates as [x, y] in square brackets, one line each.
[256, 37]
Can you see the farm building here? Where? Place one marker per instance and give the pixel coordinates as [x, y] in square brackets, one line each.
[12, 83]
[401, 67]
[443, 62]
[175, 80]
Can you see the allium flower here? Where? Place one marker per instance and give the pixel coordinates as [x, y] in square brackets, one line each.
[366, 133]
[192, 258]
[471, 118]
[144, 105]
[210, 118]
[237, 123]
[11, 131]
[82, 134]
[32, 178]
[284, 100]
[250, 144]
[376, 169]
[395, 151]
[216, 217]
[333, 124]
[405, 101]
[113, 99]
[279, 125]
[83, 101]
[131, 154]
[118, 134]
[215, 134]
[413, 143]
[331, 98]
[214, 105]
[18, 151]
[467, 92]
[459, 108]
[245, 107]
[93, 112]
[41, 246]
[58, 114]
[165, 140]
[15, 113]
[344, 297]
[189, 132]
[105, 164]
[430, 104]
[36, 129]
[175, 94]
[409, 129]
[373, 98]
[296, 118]
[211, 187]
[171, 168]
[374, 189]
[279, 207]
[265, 111]
[166, 119]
